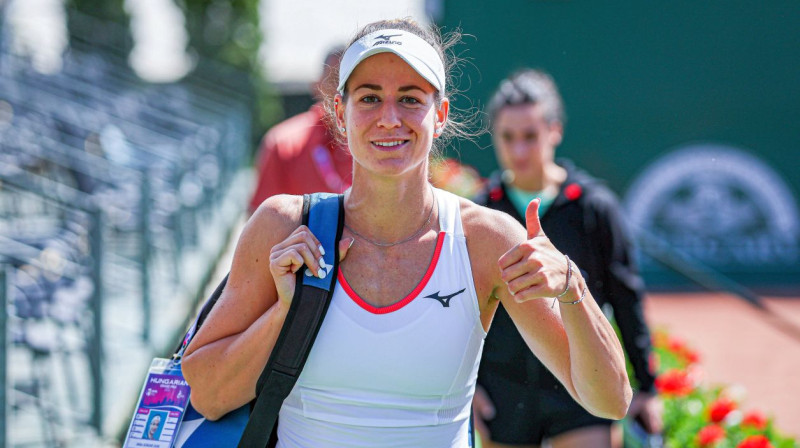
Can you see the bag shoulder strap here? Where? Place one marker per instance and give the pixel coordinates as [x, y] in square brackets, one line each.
[309, 305]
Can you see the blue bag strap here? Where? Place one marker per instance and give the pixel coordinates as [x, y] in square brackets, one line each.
[310, 303]
[323, 212]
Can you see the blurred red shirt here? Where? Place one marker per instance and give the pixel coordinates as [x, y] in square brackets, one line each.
[299, 156]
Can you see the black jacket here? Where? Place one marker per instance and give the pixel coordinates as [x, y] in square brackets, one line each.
[583, 221]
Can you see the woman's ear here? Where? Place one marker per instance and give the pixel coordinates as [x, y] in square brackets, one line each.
[338, 109]
[556, 133]
[441, 117]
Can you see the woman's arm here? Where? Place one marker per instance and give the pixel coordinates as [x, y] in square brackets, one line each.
[622, 286]
[575, 342]
[227, 355]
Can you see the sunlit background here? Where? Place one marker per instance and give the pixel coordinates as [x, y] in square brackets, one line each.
[128, 131]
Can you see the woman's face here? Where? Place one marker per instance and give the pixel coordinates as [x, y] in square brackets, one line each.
[525, 142]
[390, 115]
[154, 424]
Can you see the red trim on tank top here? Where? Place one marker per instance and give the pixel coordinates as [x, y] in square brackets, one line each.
[395, 306]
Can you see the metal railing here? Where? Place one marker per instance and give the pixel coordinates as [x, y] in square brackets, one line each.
[108, 185]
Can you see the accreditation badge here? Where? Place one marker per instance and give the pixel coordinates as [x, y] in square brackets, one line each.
[162, 403]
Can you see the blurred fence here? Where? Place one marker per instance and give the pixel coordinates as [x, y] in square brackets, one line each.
[115, 198]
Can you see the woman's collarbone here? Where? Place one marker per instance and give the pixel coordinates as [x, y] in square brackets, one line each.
[383, 277]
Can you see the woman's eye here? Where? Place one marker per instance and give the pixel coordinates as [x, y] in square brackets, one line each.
[370, 99]
[531, 138]
[410, 100]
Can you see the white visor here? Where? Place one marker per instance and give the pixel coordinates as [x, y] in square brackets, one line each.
[418, 53]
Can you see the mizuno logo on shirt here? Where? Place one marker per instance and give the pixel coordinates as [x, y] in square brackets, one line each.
[444, 300]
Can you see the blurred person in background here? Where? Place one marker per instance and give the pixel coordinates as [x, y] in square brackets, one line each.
[300, 155]
[519, 402]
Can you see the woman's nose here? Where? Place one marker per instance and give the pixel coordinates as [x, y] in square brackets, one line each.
[520, 149]
[390, 118]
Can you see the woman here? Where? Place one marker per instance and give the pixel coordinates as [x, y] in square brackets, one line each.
[521, 401]
[422, 272]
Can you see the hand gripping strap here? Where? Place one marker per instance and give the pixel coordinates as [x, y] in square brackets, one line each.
[309, 305]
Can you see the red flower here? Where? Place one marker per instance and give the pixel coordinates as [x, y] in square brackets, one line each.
[676, 345]
[675, 383]
[691, 356]
[681, 350]
[573, 191]
[755, 442]
[720, 408]
[755, 420]
[710, 435]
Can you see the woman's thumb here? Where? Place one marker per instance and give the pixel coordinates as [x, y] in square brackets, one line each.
[344, 246]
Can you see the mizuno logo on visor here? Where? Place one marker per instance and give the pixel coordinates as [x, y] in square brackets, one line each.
[386, 39]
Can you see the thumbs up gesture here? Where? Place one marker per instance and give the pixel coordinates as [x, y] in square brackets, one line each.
[533, 269]
[532, 223]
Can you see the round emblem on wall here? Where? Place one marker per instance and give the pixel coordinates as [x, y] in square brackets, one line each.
[719, 205]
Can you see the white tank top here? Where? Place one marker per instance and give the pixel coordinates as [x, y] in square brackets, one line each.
[396, 376]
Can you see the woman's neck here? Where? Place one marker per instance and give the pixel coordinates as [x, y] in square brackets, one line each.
[550, 180]
[388, 211]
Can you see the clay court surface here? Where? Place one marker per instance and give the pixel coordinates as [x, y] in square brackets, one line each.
[741, 345]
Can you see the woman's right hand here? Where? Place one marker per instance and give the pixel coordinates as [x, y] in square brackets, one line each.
[299, 248]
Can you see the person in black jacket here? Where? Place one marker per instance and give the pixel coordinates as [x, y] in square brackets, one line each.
[518, 401]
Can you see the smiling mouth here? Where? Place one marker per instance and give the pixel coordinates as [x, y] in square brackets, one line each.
[391, 144]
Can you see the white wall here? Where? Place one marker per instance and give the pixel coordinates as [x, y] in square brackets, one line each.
[298, 33]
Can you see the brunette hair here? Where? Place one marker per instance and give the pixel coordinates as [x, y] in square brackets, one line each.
[529, 86]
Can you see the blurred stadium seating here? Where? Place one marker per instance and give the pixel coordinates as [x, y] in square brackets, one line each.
[116, 197]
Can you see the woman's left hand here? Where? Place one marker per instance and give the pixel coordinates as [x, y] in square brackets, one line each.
[534, 269]
[647, 408]
[574, 340]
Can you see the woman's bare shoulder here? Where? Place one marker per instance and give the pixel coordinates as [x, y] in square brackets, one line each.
[489, 234]
[280, 207]
[274, 219]
[488, 229]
